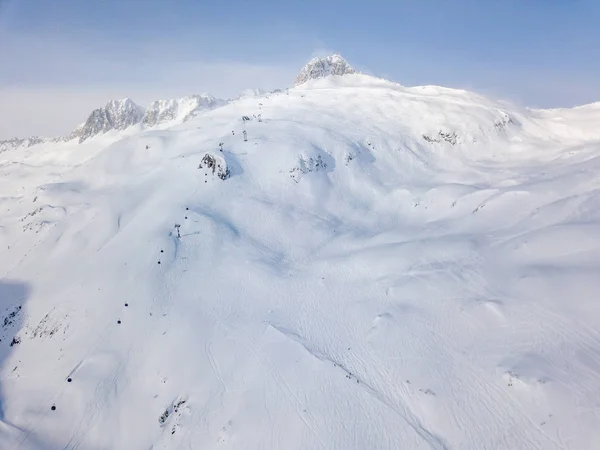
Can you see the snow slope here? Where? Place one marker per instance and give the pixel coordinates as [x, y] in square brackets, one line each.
[384, 268]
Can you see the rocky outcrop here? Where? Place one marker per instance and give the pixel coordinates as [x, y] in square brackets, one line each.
[307, 165]
[216, 164]
[324, 67]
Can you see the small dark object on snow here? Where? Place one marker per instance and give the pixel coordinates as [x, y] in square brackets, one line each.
[162, 251]
[53, 408]
[245, 118]
[126, 304]
[205, 181]
[15, 341]
[186, 208]
[163, 417]
[8, 319]
[119, 322]
[147, 147]
[158, 262]
[245, 136]
[233, 132]
[186, 217]
[69, 379]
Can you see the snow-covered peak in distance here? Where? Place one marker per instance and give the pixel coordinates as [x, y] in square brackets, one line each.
[116, 115]
[122, 114]
[10, 144]
[161, 111]
[323, 67]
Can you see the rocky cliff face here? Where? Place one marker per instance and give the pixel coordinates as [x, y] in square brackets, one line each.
[116, 115]
[323, 67]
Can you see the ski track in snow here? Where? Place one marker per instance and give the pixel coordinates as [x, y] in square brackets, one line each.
[385, 267]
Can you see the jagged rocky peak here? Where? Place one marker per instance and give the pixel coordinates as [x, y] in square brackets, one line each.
[323, 67]
[10, 144]
[182, 109]
[116, 115]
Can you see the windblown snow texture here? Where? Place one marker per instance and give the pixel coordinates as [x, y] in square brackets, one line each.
[183, 109]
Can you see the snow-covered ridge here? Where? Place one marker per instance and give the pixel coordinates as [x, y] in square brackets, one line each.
[119, 115]
[182, 109]
[122, 114]
[23, 142]
[116, 115]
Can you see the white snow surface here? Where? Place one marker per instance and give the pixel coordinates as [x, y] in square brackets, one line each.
[384, 268]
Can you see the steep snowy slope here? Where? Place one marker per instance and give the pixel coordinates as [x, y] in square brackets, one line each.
[383, 268]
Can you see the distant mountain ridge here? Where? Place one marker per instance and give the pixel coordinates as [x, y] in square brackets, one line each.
[124, 113]
[25, 142]
[116, 115]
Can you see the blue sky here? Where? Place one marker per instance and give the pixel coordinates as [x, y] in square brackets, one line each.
[542, 53]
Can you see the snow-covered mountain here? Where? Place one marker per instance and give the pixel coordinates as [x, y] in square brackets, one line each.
[324, 67]
[116, 115]
[162, 111]
[119, 115]
[13, 143]
[369, 266]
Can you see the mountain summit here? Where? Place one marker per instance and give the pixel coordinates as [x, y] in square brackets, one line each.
[323, 67]
[116, 115]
